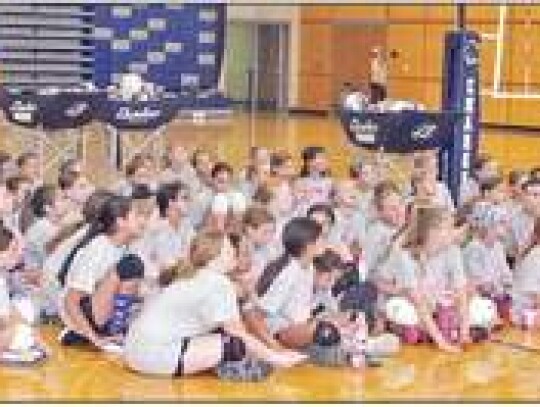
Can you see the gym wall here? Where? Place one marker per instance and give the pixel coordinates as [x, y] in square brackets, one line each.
[335, 41]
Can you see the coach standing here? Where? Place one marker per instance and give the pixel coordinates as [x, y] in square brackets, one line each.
[378, 76]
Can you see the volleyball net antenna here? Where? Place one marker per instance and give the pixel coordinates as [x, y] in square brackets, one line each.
[498, 90]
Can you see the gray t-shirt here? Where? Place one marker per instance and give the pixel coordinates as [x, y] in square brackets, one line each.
[486, 265]
[185, 309]
[438, 279]
[290, 296]
[37, 236]
[527, 279]
[376, 244]
[163, 244]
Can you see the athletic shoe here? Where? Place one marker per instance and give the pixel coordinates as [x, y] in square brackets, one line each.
[71, 338]
[27, 357]
[245, 370]
[383, 345]
[327, 355]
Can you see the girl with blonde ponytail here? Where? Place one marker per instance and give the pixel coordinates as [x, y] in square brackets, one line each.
[429, 278]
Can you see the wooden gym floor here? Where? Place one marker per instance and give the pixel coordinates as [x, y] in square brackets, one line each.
[484, 372]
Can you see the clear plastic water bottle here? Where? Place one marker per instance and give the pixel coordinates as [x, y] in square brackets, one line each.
[361, 266]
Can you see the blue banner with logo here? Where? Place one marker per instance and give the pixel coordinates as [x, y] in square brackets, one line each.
[137, 115]
[399, 132]
[67, 110]
[460, 93]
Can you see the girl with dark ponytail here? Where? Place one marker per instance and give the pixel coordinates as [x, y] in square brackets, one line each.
[282, 316]
[100, 278]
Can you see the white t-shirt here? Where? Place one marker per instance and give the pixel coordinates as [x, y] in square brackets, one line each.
[378, 239]
[223, 202]
[527, 278]
[5, 304]
[313, 190]
[441, 197]
[469, 190]
[378, 71]
[261, 256]
[200, 204]
[37, 236]
[53, 263]
[486, 265]
[438, 281]
[355, 101]
[348, 228]
[162, 244]
[92, 263]
[185, 309]
[521, 229]
[290, 296]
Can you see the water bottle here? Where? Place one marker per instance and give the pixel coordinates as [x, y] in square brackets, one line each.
[361, 266]
[358, 338]
[504, 306]
[447, 321]
[528, 318]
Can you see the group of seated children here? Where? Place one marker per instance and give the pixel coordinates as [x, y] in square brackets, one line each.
[190, 267]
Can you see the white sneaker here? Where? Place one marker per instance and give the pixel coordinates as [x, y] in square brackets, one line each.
[383, 345]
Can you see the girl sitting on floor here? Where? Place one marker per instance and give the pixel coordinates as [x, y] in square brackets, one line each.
[431, 286]
[485, 258]
[19, 341]
[282, 314]
[199, 321]
[526, 287]
[100, 279]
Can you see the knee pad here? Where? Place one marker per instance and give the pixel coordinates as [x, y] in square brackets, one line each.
[130, 267]
[234, 349]
[326, 334]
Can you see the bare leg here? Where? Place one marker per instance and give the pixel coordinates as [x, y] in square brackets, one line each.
[203, 353]
[297, 336]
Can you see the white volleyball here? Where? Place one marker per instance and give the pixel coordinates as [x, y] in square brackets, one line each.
[400, 311]
[482, 312]
[131, 84]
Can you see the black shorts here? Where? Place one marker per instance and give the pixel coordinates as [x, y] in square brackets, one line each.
[86, 309]
[180, 367]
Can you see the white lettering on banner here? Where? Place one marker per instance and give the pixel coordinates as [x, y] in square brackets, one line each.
[19, 107]
[466, 163]
[466, 141]
[22, 112]
[467, 125]
[137, 116]
[469, 105]
[76, 110]
[364, 132]
[424, 131]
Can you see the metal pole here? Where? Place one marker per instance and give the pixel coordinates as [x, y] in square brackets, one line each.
[254, 96]
[461, 16]
[281, 63]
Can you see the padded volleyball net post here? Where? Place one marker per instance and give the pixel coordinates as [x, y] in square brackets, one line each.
[453, 131]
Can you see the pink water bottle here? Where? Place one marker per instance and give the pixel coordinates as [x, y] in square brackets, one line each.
[448, 323]
[528, 318]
